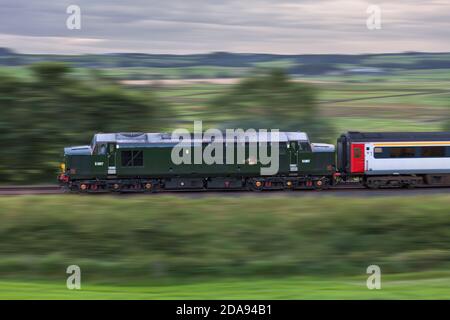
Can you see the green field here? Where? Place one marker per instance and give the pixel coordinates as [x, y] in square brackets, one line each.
[427, 285]
[404, 100]
[414, 101]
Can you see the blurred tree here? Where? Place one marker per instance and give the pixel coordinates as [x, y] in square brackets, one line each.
[273, 101]
[52, 72]
[53, 109]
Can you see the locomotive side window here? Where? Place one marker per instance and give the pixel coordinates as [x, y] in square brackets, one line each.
[126, 158]
[132, 158]
[138, 158]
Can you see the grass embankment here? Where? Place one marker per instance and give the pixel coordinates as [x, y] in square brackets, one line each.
[425, 285]
[167, 240]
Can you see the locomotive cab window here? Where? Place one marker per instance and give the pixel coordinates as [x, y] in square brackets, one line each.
[100, 149]
[305, 146]
[293, 145]
[283, 148]
[132, 158]
[111, 148]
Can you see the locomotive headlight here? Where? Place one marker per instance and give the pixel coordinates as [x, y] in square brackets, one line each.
[63, 167]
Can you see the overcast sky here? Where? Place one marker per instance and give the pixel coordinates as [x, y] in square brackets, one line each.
[198, 26]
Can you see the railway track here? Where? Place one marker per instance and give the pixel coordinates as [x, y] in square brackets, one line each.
[36, 189]
[341, 191]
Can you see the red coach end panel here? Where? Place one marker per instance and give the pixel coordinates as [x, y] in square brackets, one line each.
[357, 158]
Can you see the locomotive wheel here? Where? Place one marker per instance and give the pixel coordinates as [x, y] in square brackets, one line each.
[256, 185]
[151, 187]
[319, 184]
[322, 184]
[289, 186]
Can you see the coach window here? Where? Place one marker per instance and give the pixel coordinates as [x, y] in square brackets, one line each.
[403, 152]
[378, 150]
[132, 158]
[357, 153]
[433, 152]
[381, 153]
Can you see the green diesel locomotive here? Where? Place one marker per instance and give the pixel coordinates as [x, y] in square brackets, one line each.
[140, 162]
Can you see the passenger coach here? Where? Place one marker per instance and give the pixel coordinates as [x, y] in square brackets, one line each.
[395, 158]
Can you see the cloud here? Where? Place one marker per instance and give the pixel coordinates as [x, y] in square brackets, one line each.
[43, 44]
[180, 26]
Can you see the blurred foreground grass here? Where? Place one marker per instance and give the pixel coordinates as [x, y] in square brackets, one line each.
[168, 238]
[425, 285]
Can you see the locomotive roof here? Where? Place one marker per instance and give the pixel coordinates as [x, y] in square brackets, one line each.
[397, 136]
[161, 138]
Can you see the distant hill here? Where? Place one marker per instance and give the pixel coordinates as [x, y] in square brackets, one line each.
[294, 64]
[9, 57]
[6, 52]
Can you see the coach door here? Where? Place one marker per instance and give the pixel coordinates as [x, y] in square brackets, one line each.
[111, 158]
[357, 156]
